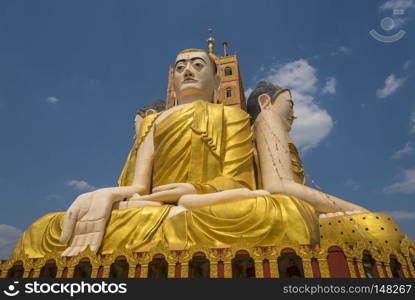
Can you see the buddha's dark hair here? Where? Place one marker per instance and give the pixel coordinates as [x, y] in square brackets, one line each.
[155, 106]
[263, 87]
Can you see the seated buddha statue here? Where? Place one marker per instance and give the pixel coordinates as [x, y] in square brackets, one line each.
[191, 178]
[271, 109]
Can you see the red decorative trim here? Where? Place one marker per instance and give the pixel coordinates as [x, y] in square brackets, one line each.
[178, 270]
[137, 271]
[337, 262]
[266, 267]
[221, 269]
[316, 268]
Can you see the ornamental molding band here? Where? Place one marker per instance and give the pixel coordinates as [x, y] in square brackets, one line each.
[216, 256]
[213, 187]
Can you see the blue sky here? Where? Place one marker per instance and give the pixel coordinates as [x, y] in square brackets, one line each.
[73, 73]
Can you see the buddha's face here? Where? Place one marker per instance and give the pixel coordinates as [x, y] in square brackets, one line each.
[194, 77]
[281, 107]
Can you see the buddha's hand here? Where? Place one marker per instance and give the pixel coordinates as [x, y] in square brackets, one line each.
[169, 192]
[341, 213]
[135, 201]
[85, 220]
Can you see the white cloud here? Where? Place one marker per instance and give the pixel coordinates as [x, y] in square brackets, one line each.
[298, 75]
[400, 215]
[392, 83]
[398, 4]
[313, 124]
[412, 123]
[330, 87]
[407, 65]
[352, 184]
[81, 185]
[248, 92]
[52, 100]
[406, 150]
[405, 186]
[341, 50]
[8, 238]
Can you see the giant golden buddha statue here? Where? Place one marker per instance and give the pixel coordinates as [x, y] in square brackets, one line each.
[199, 173]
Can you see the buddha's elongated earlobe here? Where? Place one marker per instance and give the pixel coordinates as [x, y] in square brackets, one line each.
[216, 89]
[174, 99]
[215, 96]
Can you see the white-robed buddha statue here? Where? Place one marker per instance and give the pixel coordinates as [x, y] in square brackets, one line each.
[191, 179]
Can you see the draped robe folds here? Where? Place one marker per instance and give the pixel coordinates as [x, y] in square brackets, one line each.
[209, 146]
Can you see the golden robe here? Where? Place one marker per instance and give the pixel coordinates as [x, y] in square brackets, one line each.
[210, 146]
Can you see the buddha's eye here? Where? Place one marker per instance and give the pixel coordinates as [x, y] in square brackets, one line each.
[179, 68]
[198, 65]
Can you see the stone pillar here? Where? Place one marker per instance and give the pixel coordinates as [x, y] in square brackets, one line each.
[324, 268]
[410, 267]
[404, 269]
[213, 269]
[106, 272]
[171, 270]
[362, 272]
[59, 272]
[273, 267]
[94, 272]
[184, 270]
[227, 269]
[26, 273]
[69, 272]
[259, 269]
[387, 270]
[131, 271]
[307, 267]
[350, 264]
[379, 268]
[144, 271]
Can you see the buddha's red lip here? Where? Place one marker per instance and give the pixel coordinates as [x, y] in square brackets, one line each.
[189, 80]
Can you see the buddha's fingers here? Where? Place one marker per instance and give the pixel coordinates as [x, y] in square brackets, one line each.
[96, 240]
[74, 251]
[165, 196]
[69, 223]
[142, 203]
[69, 251]
[258, 193]
[125, 191]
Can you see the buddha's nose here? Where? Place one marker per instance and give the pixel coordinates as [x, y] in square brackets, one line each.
[188, 73]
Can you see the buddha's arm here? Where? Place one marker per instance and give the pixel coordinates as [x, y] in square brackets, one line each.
[144, 163]
[322, 202]
[271, 142]
[201, 200]
[276, 170]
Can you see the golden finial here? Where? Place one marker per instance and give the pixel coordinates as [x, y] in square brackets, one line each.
[225, 48]
[211, 42]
